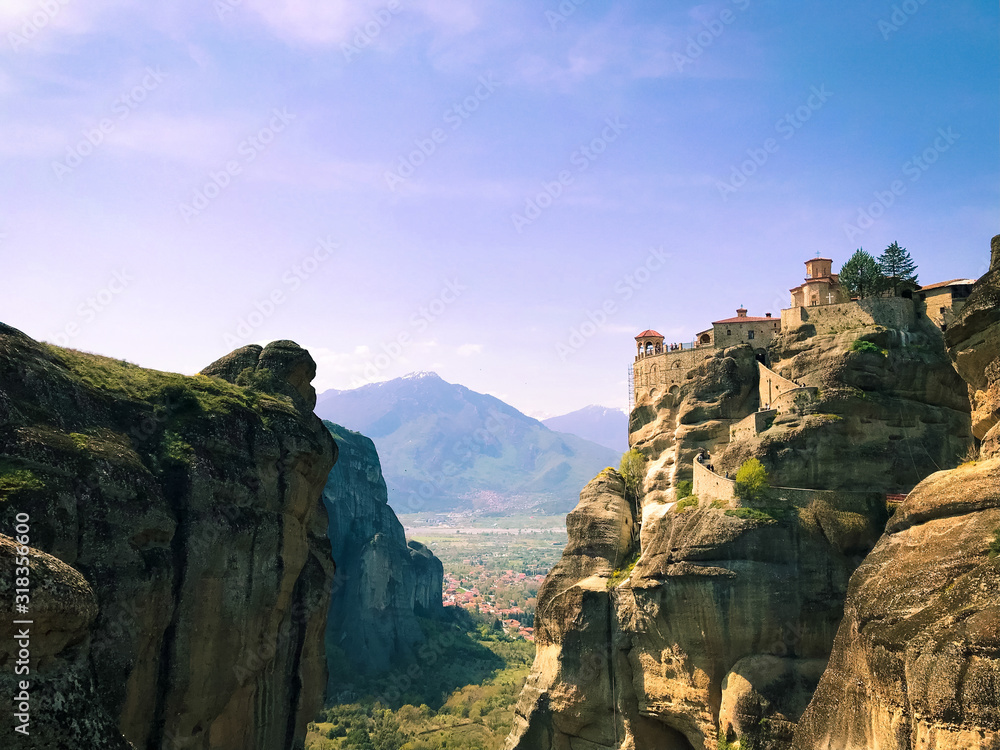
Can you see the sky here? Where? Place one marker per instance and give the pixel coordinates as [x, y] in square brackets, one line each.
[504, 193]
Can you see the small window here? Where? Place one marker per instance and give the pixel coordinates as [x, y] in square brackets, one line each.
[729, 333]
[749, 334]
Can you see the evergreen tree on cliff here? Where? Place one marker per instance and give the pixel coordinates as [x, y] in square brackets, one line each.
[898, 268]
[861, 276]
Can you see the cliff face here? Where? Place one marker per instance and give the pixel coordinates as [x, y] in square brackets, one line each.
[916, 663]
[382, 584]
[724, 621]
[186, 513]
[888, 407]
[727, 620]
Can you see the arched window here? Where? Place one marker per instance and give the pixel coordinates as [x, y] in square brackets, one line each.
[649, 348]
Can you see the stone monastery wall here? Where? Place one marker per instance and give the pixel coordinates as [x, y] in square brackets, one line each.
[890, 312]
[657, 374]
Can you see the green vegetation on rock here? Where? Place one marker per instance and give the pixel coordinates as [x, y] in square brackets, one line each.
[724, 744]
[691, 501]
[751, 480]
[995, 544]
[867, 347]
[632, 469]
[181, 394]
[765, 515]
[624, 570]
[15, 479]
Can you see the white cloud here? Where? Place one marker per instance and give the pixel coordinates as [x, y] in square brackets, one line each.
[469, 350]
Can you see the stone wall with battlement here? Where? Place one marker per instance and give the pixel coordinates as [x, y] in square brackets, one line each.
[658, 374]
[889, 312]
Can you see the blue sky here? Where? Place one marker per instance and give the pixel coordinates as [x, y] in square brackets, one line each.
[505, 193]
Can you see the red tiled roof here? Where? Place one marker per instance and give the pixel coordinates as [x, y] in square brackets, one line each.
[812, 259]
[947, 283]
[649, 332]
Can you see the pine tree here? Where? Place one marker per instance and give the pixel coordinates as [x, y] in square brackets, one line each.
[898, 268]
[861, 275]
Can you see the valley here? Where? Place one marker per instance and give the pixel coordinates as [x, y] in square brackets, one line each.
[493, 566]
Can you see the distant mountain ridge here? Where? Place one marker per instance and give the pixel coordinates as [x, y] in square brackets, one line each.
[598, 424]
[446, 447]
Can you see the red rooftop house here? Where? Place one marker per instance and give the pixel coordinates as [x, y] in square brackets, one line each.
[744, 329]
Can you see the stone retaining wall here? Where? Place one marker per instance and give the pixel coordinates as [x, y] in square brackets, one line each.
[709, 486]
[889, 312]
[752, 426]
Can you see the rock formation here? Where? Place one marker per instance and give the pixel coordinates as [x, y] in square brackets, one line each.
[723, 627]
[190, 604]
[916, 662]
[888, 407]
[722, 621]
[382, 584]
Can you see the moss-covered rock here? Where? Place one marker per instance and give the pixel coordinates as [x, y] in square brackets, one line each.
[191, 505]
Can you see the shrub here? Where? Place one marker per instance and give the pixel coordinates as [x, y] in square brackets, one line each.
[621, 573]
[866, 347]
[691, 501]
[995, 544]
[724, 744]
[14, 480]
[751, 480]
[632, 469]
[685, 488]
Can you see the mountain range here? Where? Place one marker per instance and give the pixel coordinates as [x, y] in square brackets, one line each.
[446, 447]
[598, 424]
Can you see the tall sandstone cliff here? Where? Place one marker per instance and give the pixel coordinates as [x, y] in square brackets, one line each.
[382, 584]
[180, 570]
[916, 662]
[728, 617]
